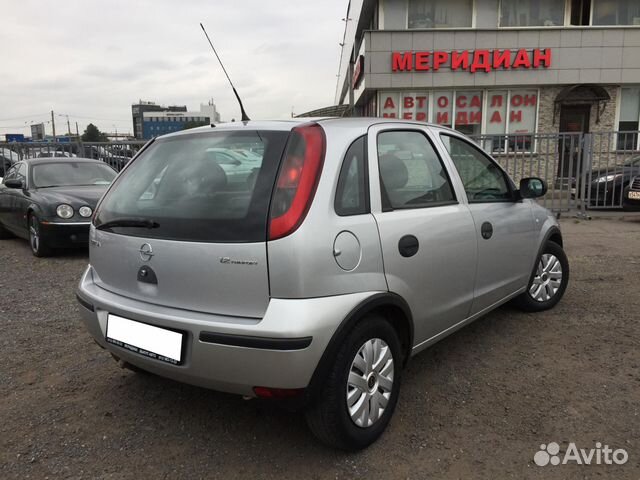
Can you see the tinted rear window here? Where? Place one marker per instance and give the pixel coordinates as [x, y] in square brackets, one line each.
[203, 188]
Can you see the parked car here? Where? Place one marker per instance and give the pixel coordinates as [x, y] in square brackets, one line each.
[7, 158]
[56, 154]
[49, 201]
[112, 158]
[360, 243]
[49, 151]
[608, 184]
[239, 166]
[631, 197]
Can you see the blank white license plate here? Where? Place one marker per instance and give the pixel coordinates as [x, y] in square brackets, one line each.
[143, 339]
[634, 195]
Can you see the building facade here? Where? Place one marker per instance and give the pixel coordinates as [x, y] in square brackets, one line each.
[139, 109]
[151, 120]
[496, 68]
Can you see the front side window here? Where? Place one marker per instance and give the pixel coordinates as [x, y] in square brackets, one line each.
[483, 180]
[11, 174]
[531, 13]
[411, 173]
[21, 173]
[188, 188]
[440, 13]
[616, 12]
[351, 192]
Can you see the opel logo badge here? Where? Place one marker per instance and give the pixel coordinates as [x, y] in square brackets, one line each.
[146, 252]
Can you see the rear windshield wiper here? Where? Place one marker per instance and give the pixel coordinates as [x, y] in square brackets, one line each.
[128, 222]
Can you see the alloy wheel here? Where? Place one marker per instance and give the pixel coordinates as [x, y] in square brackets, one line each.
[370, 382]
[547, 279]
[34, 235]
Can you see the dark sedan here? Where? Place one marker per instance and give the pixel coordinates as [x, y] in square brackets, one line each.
[631, 197]
[49, 201]
[608, 184]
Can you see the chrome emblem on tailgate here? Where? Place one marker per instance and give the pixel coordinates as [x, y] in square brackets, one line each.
[146, 252]
[233, 261]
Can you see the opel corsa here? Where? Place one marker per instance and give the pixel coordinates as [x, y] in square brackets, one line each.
[312, 260]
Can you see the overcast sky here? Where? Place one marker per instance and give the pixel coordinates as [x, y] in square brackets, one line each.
[92, 59]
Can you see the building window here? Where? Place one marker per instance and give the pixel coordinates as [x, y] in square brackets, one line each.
[440, 13]
[504, 120]
[629, 121]
[468, 108]
[616, 12]
[531, 13]
[443, 108]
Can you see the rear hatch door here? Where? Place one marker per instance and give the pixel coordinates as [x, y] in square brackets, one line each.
[180, 228]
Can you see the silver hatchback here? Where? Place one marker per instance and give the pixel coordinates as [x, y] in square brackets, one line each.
[312, 274]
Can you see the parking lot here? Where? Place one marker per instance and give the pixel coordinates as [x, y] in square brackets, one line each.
[476, 405]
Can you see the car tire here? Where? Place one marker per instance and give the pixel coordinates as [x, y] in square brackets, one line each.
[36, 242]
[372, 353]
[548, 281]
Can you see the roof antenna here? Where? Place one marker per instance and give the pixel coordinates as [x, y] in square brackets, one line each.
[245, 118]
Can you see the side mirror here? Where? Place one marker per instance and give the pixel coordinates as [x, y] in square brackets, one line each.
[14, 183]
[532, 187]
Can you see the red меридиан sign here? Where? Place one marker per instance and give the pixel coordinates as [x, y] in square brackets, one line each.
[471, 60]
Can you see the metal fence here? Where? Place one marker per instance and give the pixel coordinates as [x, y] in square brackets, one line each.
[115, 154]
[583, 171]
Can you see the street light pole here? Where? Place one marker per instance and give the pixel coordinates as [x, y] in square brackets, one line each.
[53, 126]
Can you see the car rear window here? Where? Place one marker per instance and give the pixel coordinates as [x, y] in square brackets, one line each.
[213, 187]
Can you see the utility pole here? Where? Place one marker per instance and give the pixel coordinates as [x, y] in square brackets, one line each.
[53, 125]
[68, 125]
[77, 131]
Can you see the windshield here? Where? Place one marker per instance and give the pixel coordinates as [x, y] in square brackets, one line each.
[69, 174]
[197, 188]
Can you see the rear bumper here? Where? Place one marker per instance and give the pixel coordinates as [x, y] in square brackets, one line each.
[230, 354]
[65, 234]
[630, 204]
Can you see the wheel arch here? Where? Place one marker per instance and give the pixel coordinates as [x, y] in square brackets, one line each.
[390, 305]
[553, 235]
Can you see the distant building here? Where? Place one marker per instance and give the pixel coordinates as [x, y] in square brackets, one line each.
[494, 68]
[151, 120]
[139, 109]
[210, 111]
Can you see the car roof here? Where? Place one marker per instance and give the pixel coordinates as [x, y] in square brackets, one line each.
[288, 124]
[37, 161]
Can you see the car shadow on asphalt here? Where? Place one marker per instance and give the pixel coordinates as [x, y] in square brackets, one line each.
[165, 406]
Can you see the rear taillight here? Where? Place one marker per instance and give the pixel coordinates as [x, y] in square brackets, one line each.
[297, 180]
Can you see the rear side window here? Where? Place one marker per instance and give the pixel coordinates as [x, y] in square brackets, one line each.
[213, 187]
[352, 195]
[411, 173]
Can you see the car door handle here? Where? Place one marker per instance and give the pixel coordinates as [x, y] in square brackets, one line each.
[408, 246]
[486, 230]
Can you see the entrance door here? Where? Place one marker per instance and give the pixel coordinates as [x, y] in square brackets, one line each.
[574, 121]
